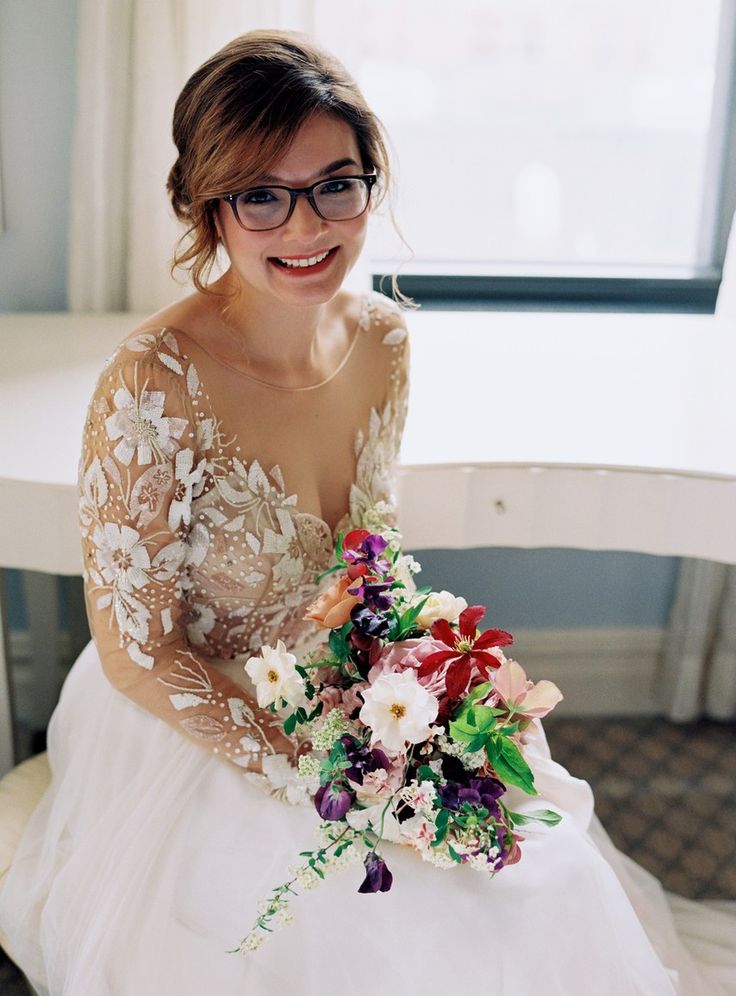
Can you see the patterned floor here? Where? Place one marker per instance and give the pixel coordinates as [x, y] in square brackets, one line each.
[665, 793]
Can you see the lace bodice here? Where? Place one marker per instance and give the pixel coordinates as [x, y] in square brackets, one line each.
[196, 552]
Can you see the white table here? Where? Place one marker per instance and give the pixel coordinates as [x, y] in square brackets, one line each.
[591, 431]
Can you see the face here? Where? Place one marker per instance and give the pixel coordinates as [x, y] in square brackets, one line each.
[255, 257]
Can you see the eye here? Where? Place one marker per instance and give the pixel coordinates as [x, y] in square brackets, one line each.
[338, 186]
[260, 195]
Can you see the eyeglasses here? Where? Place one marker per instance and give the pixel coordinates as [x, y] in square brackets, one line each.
[343, 198]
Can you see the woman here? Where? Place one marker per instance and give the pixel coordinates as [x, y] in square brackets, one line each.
[229, 439]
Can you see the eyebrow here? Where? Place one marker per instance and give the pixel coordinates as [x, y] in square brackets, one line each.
[338, 164]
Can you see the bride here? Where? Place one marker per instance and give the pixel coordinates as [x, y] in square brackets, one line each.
[228, 441]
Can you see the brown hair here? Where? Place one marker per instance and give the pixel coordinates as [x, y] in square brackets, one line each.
[238, 113]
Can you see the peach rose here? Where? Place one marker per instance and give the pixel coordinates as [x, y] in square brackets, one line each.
[332, 609]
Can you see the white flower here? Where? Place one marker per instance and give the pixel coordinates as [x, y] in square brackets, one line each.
[285, 779]
[370, 818]
[420, 797]
[440, 605]
[419, 831]
[275, 676]
[180, 509]
[139, 424]
[121, 556]
[398, 709]
[404, 570]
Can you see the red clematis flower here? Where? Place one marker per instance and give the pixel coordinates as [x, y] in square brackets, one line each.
[464, 650]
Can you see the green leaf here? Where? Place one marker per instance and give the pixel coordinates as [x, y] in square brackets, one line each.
[476, 743]
[442, 819]
[483, 718]
[453, 854]
[290, 724]
[479, 692]
[410, 616]
[548, 816]
[427, 774]
[509, 764]
[439, 837]
[463, 729]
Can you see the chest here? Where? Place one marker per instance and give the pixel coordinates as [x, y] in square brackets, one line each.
[312, 440]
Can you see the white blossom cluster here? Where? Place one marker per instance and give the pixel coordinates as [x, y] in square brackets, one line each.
[309, 766]
[471, 762]
[334, 726]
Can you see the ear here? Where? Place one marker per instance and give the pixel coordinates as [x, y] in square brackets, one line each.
[218, 223]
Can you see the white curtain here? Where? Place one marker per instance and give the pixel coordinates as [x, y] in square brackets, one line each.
[133, 58]
[698, 674]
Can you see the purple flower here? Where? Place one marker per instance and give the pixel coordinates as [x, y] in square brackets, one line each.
[369, 550]
[363, 759]
[332, 802]
[478, 792]
[367, 622]
[377, 876]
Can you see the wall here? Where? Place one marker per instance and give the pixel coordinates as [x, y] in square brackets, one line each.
[37, 66]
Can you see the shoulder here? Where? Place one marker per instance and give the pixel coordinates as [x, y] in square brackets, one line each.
[383, 315]
[148, 377]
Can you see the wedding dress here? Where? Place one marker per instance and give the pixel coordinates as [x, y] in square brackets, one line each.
[148, 855]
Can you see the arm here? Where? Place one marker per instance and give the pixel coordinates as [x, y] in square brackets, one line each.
[141, 464]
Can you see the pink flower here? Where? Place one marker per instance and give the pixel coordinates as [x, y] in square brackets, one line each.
[408, 655]
[380, 784]
[521, 696]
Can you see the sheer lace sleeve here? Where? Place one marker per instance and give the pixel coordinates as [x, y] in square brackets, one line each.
[373, 496]
[143, 461]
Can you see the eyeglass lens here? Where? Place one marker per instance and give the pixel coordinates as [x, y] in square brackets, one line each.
[337, 200]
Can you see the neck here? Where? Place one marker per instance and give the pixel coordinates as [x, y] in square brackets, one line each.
[272, 339]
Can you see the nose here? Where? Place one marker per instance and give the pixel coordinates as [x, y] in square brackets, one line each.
[305, 224]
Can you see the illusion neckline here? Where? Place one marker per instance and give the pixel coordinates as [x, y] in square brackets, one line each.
[364, 298]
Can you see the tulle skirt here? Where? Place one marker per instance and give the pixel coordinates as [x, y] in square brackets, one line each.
[147, 857]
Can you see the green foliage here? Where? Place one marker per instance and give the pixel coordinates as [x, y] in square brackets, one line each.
[547, 816]
[427, 774]
[509, 764]
[441, 823]
[473, 727]
[338, 643]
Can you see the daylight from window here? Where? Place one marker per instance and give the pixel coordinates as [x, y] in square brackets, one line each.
[565, 134]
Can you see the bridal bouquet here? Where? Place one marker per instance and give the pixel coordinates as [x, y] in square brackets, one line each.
[415, 723]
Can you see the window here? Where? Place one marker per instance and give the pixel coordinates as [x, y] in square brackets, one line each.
[564, 146]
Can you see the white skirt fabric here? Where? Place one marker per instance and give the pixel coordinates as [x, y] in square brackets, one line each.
[147, 857]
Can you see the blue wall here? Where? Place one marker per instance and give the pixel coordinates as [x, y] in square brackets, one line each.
[556, 588]
[521, 588]
[37, 70]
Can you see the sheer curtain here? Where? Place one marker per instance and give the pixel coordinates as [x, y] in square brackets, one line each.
[698, 674]
[133, 58]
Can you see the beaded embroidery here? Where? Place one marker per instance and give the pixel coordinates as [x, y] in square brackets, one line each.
[190, 553]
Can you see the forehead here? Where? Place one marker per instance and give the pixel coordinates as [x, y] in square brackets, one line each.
[319, 142]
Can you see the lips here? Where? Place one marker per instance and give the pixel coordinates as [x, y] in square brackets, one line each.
[303, 265]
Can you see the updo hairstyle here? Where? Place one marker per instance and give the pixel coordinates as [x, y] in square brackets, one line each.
[236, 116]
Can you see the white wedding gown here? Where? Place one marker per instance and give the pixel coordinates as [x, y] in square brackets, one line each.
[146, 858]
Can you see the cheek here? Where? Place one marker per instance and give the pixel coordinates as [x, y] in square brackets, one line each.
[358, 231]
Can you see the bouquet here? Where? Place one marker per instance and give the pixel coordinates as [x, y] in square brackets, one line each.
[414, 724]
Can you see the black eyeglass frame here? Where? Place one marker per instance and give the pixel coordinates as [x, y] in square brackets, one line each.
[369, 179]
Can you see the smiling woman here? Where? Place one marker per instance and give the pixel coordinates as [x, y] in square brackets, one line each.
[230, 440]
